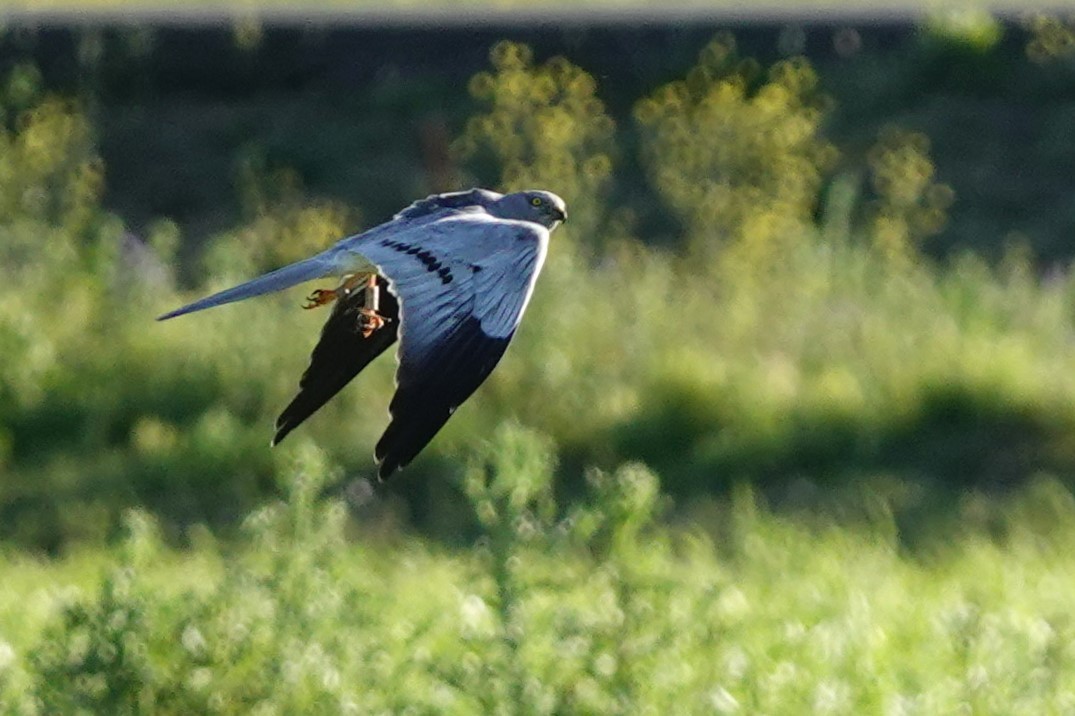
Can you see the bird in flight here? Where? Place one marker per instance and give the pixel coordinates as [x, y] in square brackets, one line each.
[449, 277]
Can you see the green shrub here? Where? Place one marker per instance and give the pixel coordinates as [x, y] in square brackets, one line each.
[1051, 39]
[910, 205]
[738, 152]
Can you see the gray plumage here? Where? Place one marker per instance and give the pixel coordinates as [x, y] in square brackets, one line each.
[461, 267]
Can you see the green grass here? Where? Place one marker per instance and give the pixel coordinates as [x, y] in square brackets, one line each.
[602, 610]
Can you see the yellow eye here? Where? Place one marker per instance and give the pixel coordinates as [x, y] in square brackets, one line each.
[536, 201]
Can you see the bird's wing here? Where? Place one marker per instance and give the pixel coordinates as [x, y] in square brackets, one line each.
[452, 200]
[338, 260]
[462, 284]
[327, 263]
[340, 354]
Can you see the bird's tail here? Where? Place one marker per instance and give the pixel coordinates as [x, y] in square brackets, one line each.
[314, 267]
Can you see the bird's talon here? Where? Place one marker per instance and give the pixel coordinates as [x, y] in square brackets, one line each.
[320, 297]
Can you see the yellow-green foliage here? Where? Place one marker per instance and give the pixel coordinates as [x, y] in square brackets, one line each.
[825, 360]
[543, 127]
[965, 27]
[910, 204]
[278, 235]
[737, 152]
[101, 406]
[1051, 39]
[283, 224]
[49, 171]
[795, 359]
[49, 186]
[601, 610]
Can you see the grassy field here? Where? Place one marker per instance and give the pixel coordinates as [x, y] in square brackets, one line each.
[601, 610]
[777, 462]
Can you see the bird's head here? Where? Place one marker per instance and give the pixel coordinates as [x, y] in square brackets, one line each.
[540, 207]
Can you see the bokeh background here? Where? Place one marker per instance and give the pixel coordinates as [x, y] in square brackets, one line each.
[789, 426]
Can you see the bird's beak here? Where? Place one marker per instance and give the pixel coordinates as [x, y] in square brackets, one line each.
[561, 215]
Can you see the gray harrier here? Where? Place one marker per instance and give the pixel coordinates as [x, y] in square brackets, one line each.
[450, 276]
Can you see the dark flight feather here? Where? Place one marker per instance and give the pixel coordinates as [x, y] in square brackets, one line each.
[340, 354]
[424, 403]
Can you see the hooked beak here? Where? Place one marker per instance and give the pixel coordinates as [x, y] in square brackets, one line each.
[560, 215]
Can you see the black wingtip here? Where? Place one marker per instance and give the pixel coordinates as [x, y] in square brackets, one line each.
[387, 462]
[281, 433]
[173, 314]
[385, 470]
[341, 353]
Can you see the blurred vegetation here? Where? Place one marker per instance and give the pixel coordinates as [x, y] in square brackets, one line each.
[544, 126]
[1052, 39]
[602, 609]
[282, 224]
[794, 335]
[739, 156]
[778, 462]
[368, 121]
[910, 206]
